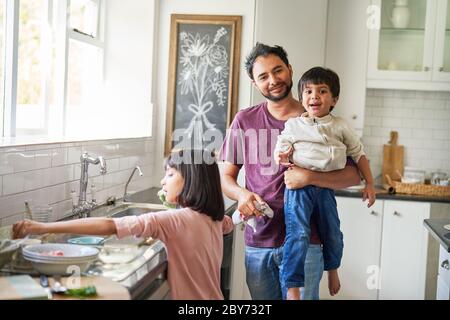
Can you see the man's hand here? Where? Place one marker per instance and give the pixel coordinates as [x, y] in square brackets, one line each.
[245, 203]
[369, 193]
[296, 177]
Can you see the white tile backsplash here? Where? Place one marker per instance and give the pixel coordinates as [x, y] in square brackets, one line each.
[47, 173]
[422, 120]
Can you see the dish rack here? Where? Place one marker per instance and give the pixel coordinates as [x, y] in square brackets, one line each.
[418, 188]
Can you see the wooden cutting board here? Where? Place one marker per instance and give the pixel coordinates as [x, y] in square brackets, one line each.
[392, 159]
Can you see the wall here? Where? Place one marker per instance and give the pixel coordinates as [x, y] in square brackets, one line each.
[128, 63]
[45, 174]
[422, 120]
[222, 7]
[292, 34]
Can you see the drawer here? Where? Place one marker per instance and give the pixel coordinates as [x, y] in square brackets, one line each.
[444, 265]
[443, 291]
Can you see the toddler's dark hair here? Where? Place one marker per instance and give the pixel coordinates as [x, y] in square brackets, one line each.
[319, 75]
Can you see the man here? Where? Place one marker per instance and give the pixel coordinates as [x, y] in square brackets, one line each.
[250, 143]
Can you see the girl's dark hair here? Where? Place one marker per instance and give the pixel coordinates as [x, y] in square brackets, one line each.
[319, 75]
[201, 191]
[261, 49]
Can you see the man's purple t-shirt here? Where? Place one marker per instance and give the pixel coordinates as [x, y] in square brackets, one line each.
[251, 141]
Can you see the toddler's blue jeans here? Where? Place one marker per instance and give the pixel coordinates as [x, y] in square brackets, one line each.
[299, 205]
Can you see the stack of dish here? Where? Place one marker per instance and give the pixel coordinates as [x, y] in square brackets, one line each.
[60, 258]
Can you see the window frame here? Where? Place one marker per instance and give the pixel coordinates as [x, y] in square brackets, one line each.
[63, 33]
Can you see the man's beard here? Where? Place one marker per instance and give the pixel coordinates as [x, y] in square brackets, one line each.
[280, 97]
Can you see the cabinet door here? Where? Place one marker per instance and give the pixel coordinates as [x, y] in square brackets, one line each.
[361, 227]
[302, 34]
[238, 286]
[348, 57]
[402, 47]
[404, 250]
[441, 70]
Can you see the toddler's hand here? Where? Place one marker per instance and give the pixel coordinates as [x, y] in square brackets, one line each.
[283, 157]
[369, 194]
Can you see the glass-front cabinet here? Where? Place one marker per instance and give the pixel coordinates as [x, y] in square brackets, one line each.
[409, 47]
[442, 52]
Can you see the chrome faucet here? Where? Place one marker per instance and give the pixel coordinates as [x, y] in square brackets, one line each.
[83, 208]
[125, 194]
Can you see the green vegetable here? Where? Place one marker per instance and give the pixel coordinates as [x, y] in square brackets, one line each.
[84, 292]
[162, 197]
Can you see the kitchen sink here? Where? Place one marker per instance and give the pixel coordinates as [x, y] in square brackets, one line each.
[130, 212]
[136, 209]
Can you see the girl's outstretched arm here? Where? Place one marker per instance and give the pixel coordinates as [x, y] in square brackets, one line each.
[92, 226]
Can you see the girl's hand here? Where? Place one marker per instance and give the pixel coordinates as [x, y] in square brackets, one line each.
[245, 203]
[23, 228]
[369, 193]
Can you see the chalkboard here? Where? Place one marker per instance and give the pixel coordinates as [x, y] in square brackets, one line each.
[203, 79]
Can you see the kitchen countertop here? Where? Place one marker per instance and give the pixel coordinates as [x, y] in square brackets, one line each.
[383, 194]
[437, 230]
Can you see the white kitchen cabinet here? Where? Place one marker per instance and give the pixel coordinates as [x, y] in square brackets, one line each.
[346, 53]
[404, 250]
[415, 56]
[238, 287]
[443, 281]
[387, 252]
[361, 227]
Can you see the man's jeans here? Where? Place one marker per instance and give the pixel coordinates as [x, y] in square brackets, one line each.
[263, 273]
[299, 206]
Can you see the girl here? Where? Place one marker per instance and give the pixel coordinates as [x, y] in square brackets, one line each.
[192, 233]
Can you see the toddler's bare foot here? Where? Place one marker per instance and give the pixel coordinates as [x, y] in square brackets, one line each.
[293, 294]
[333, 282]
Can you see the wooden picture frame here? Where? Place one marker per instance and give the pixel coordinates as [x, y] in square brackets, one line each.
[202, 97]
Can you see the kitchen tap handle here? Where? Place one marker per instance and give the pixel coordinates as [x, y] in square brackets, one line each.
[73, 195]
[93, 193]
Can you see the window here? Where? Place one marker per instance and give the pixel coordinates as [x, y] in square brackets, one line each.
[53, 53]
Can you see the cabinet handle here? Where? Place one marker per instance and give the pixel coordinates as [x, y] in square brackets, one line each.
[445, 264]
[441, 69]
[396, 213]
[354, 117]
[373, 213]
[426, 68]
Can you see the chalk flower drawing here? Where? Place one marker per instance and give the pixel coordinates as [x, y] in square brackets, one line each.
[204, 71]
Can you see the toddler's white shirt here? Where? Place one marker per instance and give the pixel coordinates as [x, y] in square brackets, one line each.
[320, 144]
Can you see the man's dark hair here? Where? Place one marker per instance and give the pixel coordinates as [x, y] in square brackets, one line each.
[319, 75]
[201, 191]
[261, 49]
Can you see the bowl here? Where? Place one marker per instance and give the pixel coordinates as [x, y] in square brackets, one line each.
[60, 267]
[87, 240]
